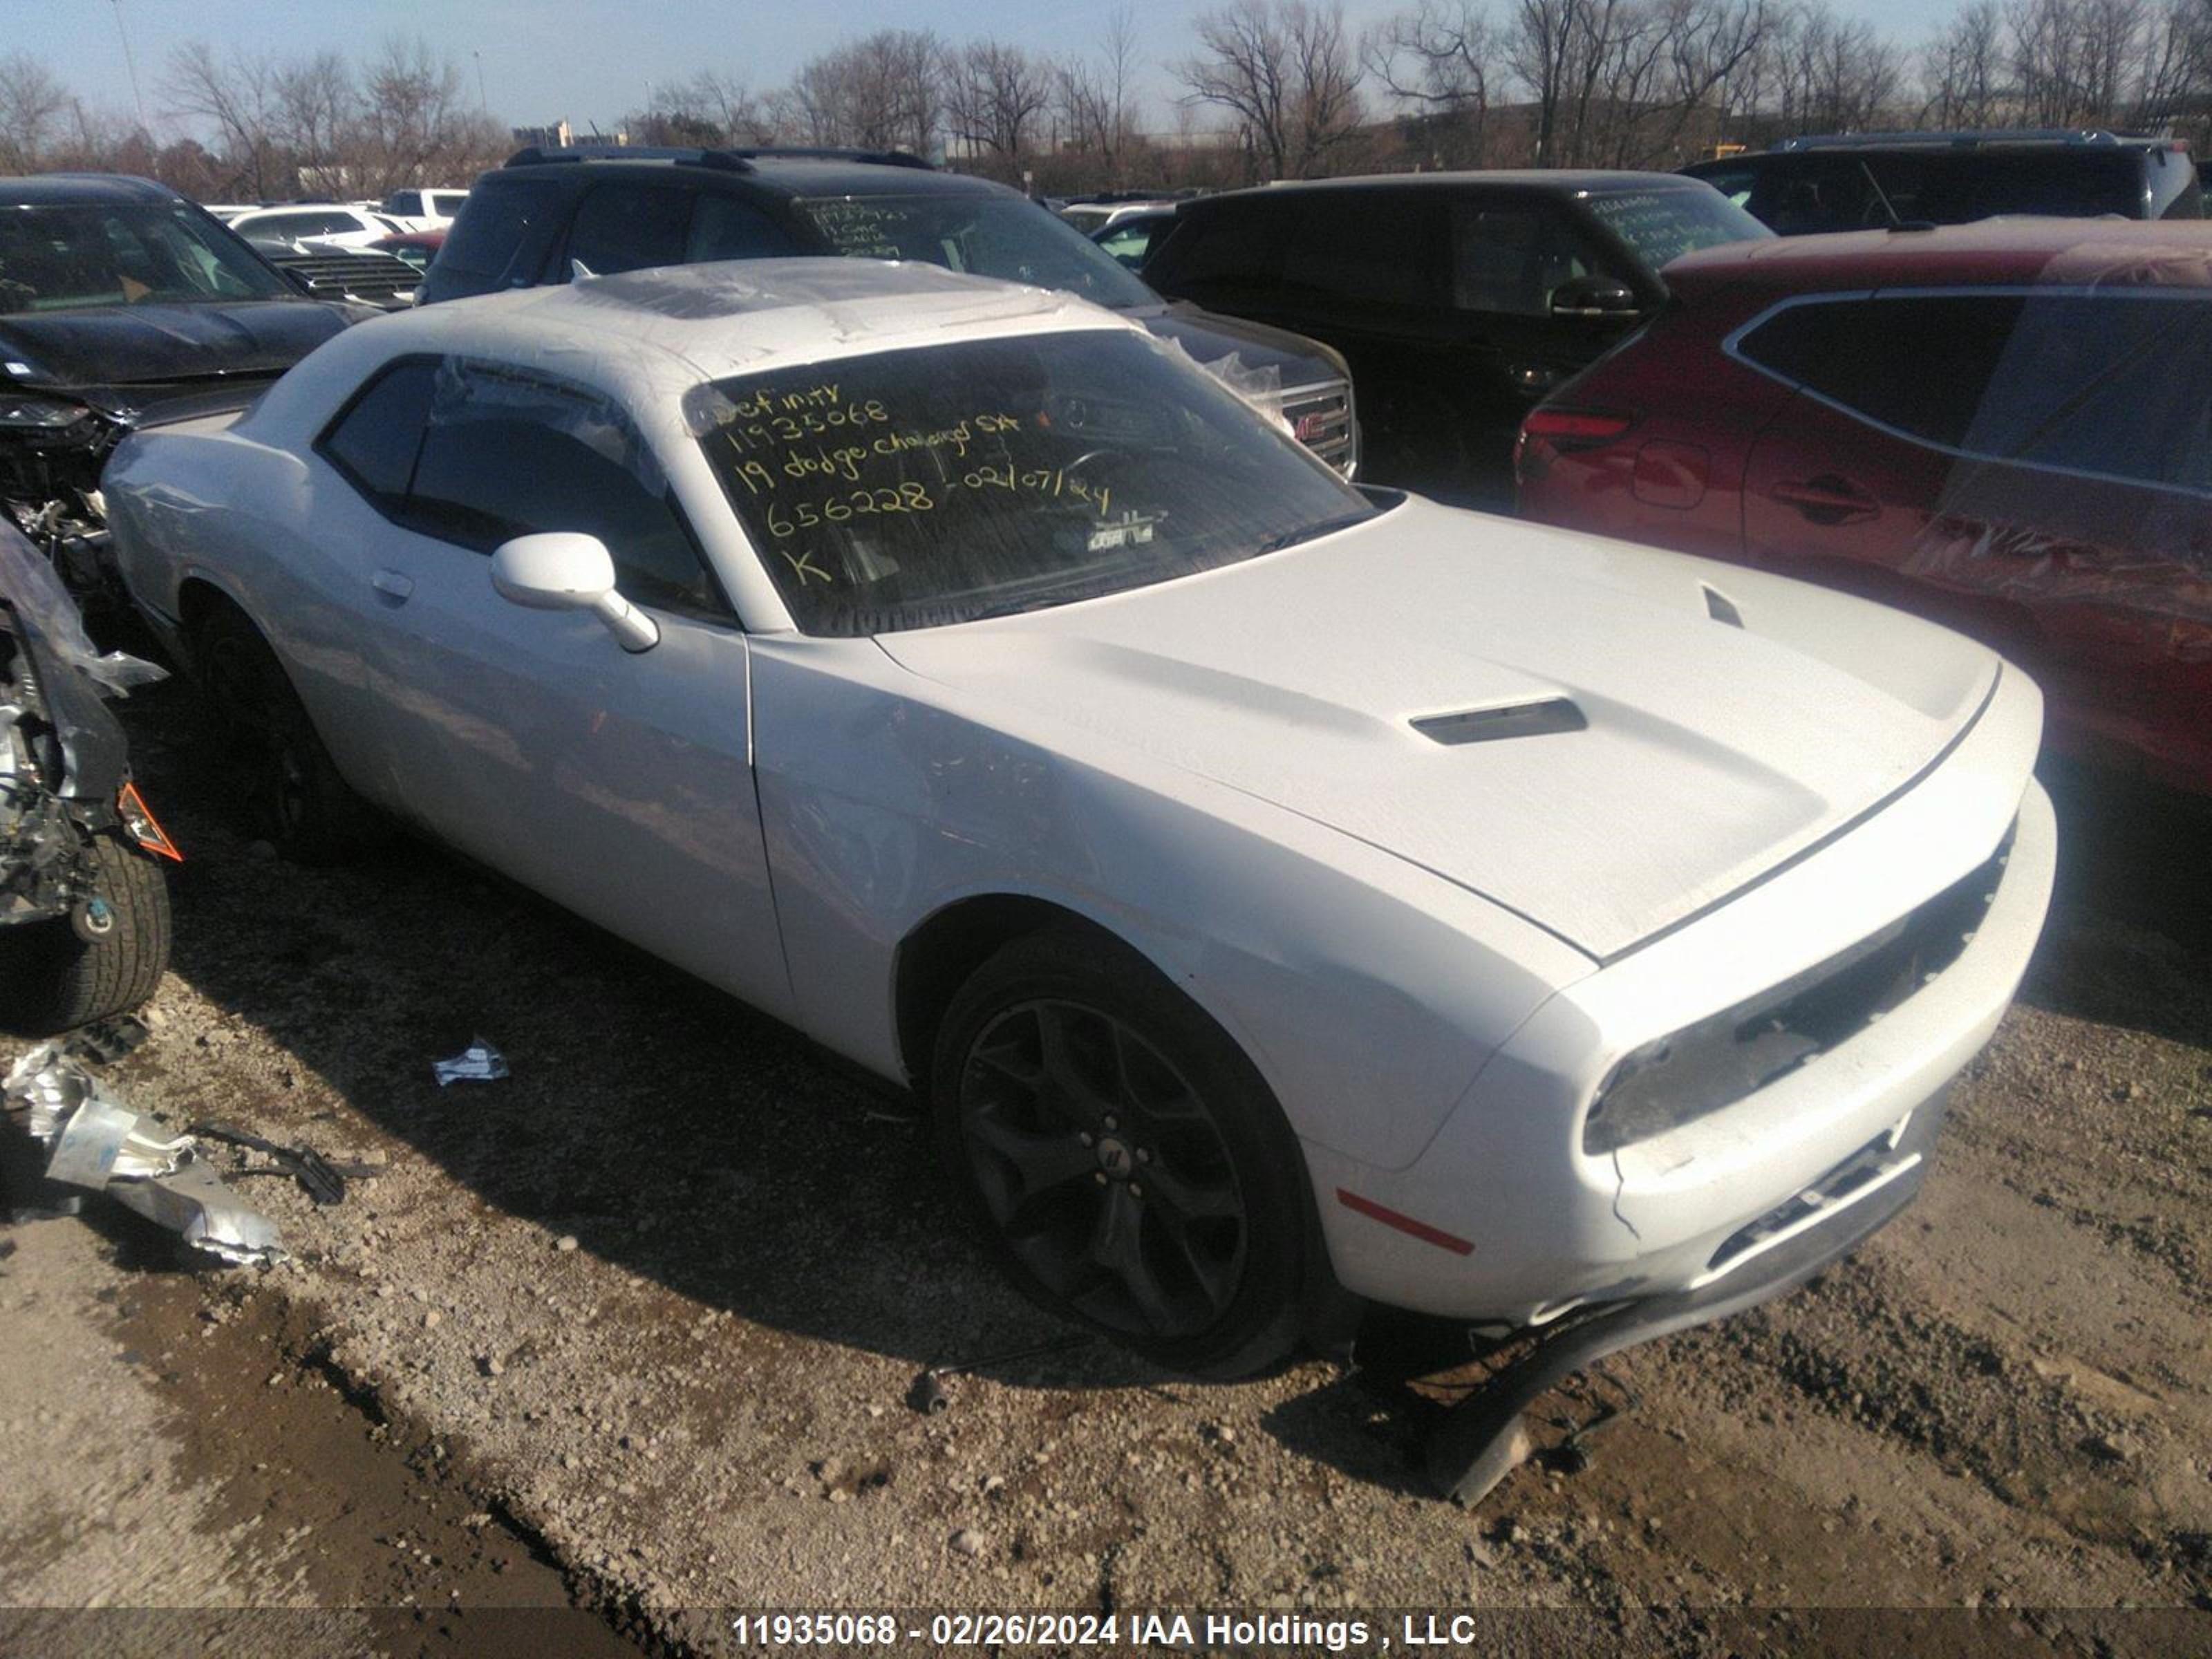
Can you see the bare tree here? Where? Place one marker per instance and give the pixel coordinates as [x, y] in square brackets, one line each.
[1966, 69]
[1831, 76]
[416, 124]
[884, 92]
[1288, 71]
[32, 104]
[995, 96]
[2177, 65]
[1444, 59]
[239, 98]
[315, 108]
[711, 109]
[1707, 45]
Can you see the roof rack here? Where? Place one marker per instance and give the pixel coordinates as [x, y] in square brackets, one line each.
[728, 160]
[882, 158]
[1956, 140]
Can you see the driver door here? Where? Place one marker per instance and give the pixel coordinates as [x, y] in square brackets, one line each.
[617, 784]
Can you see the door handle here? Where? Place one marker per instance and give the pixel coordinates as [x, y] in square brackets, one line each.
[392, 585]
[1827, 499]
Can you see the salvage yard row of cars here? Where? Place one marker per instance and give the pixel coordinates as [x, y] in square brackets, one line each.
[1287, 890]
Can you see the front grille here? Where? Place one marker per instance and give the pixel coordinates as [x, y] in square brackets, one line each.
[1320, 418]
[1695, 1071]
[376, 279]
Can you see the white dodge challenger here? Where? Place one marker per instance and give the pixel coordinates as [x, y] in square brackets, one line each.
[1279, 890]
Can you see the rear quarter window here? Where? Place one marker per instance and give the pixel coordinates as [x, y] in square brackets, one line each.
[1919, 365]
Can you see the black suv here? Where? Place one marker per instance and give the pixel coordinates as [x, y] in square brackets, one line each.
[121, 303]
[1883, 180]
[551, 214]
[1460, 299]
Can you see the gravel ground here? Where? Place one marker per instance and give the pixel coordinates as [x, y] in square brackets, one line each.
[630, 1334]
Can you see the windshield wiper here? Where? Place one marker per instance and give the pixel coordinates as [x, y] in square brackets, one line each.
[1312, 531]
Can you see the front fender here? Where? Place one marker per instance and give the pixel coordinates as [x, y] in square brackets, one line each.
[1367, 993]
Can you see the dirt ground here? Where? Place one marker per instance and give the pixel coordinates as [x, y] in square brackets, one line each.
[627, 1339]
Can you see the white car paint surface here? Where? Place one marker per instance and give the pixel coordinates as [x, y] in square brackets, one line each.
[1435, 955]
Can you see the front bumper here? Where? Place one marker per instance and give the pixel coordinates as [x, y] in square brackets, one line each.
[1482, 1439]
[1539, 1227]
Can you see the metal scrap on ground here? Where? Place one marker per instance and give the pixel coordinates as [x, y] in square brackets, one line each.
[94, 1142]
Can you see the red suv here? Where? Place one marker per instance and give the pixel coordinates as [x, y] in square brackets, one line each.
[2006, 426]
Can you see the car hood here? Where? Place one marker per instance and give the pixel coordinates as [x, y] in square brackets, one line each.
[1209, 338]
[110, 348]
[1712, 754]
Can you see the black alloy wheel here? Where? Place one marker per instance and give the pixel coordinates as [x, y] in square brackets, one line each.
[1119, 1148]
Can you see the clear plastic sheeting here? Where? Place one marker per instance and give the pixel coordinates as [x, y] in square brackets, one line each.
[492, 397]
[1261, 387]
[30, 583]
[2083, 478]
[844, 299]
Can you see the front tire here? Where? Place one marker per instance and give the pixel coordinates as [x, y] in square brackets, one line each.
[74, 974]
[1131, 1166]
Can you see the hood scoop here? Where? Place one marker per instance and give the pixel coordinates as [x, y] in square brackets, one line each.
[1517, 719]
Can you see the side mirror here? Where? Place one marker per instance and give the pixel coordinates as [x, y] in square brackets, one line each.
[1594, 296]
[561, 570]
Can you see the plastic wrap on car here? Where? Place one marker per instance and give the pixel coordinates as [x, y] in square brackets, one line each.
[29, 582]
[468, 390]
[2117, 556]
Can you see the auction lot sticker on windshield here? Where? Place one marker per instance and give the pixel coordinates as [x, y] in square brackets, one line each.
[936, 485]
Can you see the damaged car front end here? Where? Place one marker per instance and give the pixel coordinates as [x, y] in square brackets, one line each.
[122, 305]
[84, 910]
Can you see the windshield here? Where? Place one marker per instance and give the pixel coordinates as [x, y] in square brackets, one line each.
[1661, 226]
[108, 254]
[944, 483]
[999, 236]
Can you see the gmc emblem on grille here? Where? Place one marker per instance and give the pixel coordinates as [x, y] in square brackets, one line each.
[1311, 427]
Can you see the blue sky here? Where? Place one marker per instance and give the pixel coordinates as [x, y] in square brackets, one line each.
[592, 60]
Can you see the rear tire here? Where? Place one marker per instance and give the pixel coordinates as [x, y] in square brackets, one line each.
[295, 797]
[1133, 1168]
[69, 981]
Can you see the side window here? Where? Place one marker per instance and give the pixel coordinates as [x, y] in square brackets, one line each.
[1127, 242]
[1735, 183]
[494, 226]
[723, 228]
[1510, 259]
[375, 438]
[1819, 193]
[1238, 251]
[508, 454]
[624, 226]
[1921, 365]
[1376, 250]
[407, 204]
[2109, 384]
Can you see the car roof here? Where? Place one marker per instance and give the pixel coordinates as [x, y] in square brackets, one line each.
[1545, 181]
[780, 175]
[671, 328]
[2163, 253]
[35, 189]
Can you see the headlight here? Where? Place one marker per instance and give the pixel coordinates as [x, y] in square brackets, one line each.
[39, 414]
